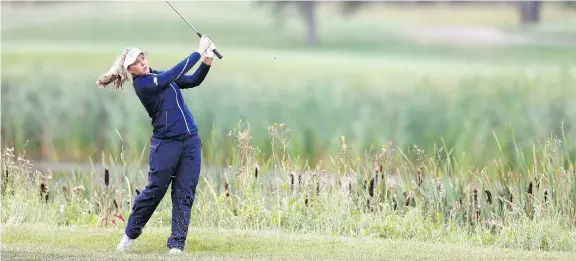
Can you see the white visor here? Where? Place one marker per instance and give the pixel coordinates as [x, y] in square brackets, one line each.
[132, 55]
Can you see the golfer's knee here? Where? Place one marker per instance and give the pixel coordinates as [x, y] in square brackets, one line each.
[153, 193]
[187, 200]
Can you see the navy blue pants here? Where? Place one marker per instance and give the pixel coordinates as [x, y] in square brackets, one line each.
[176, 162]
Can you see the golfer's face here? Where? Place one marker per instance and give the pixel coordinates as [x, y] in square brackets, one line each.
[140, 66]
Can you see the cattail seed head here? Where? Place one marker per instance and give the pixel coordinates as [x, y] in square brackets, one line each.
[106, 178]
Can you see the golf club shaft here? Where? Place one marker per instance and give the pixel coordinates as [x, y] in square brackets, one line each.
[193, 28]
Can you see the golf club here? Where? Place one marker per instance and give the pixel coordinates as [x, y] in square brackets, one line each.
[197, 33]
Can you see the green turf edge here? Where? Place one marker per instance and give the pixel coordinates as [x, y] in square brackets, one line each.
[59, 243]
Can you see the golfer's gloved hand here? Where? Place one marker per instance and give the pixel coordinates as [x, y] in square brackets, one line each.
[204, 44]
[210, 50]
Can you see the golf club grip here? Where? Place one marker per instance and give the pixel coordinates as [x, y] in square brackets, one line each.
[215, 51]
[217, 54]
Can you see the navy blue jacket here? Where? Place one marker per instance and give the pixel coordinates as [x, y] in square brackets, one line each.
[159, 92]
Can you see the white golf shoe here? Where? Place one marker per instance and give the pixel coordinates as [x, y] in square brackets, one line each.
[175, 251]
[125, 243]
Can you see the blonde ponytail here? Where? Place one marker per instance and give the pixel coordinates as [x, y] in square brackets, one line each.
[116, 74]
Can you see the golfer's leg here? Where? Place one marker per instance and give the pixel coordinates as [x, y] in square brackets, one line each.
[184, 191]
[164, 156]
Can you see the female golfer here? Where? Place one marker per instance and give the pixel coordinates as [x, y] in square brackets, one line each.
[175, 147]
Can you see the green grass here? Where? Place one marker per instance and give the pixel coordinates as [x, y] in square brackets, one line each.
[51, 243]
[443, 125]
[511, 204]
[391, 100]
[379, 82]
[386, 88]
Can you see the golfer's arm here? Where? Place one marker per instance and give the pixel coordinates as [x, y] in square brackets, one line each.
[191, 81]
[179, 70]
[155, 83]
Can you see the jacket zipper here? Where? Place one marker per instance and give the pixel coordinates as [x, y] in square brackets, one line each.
[178, 103]
[166, 125]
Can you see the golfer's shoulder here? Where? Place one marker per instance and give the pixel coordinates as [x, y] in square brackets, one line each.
[144, 80]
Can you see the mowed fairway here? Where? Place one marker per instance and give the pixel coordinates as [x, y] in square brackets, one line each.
[216, 244]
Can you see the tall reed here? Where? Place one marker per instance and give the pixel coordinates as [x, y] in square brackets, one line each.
[387, 192]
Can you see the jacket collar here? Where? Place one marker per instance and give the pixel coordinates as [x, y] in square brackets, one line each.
[152, 72]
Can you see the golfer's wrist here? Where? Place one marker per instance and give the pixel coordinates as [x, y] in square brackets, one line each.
[207, 61]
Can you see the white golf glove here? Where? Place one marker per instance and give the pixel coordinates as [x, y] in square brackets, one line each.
[204, 44]
[210, 51]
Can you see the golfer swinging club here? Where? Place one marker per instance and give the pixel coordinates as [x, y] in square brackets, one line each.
[175, 147]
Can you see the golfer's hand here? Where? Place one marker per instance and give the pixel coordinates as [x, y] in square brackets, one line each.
[210, 51]
[204, 44]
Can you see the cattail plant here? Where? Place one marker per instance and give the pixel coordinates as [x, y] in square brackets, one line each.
[106, 177]
[379, 192]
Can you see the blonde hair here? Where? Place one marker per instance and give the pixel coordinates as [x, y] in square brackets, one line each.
[117, 74]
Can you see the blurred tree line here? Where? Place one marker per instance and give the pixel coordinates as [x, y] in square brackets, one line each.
[528, 11]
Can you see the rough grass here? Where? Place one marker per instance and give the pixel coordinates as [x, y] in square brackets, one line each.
[369, 89]
[51, 243]
[461, 111]
[384, 194]
[482, 119]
